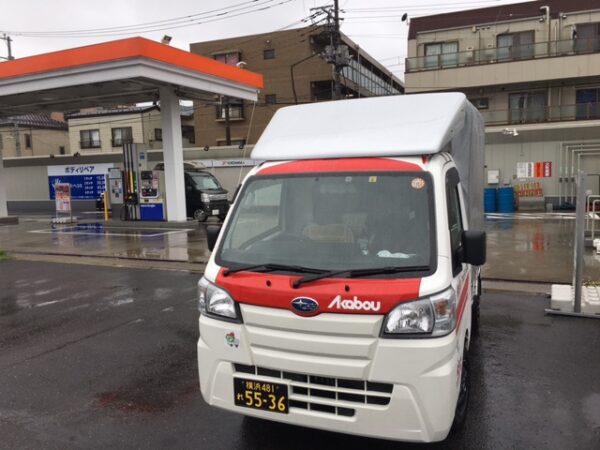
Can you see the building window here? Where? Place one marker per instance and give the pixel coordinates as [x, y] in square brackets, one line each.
[515, 45]
[158, 134]
[442, 54]
[27, 140]
[1, 143]
[269, 53]
[270, 99]
[527, 107]
[89, 139]
[587, 103]
[121, 136]
[236, 109]
[481, 103]
[187, 132]
[587, 37]
[231, 58]
[61, 150]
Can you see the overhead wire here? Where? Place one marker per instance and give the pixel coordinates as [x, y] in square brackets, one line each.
[208, 19]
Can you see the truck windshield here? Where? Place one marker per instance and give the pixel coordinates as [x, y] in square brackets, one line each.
[333, 222]
[204, 180]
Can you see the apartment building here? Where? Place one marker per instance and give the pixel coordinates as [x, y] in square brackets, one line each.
[106, 130]
[34, 135]
[293, 71]
[533, 70]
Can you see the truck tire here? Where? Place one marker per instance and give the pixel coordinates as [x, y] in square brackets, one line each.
[200, 216]
[462, 404]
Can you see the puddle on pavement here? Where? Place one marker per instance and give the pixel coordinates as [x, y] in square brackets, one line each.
[98, 229]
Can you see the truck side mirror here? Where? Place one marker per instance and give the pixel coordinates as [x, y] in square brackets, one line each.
[212, 233]
[474, 247]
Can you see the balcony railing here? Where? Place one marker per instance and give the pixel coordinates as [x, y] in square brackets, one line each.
[89, 144]
[540, 114]
[477, 57]
[120, 141]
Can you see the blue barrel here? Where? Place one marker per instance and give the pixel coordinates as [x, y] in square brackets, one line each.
[489, 200]
[506, 200]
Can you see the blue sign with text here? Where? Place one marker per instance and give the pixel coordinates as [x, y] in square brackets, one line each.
[83, 187]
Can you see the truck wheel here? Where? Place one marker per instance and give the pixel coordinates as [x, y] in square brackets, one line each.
[462, 404]
[200, 216]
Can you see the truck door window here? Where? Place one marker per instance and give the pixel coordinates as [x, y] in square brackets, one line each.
[455, 223]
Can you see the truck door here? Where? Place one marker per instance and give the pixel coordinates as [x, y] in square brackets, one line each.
[457, 223]
[456, 220]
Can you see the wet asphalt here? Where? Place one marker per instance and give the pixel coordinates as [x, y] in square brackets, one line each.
[97, 357]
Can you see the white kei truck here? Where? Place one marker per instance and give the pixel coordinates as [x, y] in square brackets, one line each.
[343, 289]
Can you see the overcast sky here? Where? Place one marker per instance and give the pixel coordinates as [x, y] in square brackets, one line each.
[38, 26]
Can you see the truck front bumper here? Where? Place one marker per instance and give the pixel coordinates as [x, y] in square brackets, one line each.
[398, 389]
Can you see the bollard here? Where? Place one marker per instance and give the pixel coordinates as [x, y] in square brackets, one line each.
[105, 196]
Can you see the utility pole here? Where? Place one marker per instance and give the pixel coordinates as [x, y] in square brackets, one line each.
[335, 53]
[8, 39]
[227, 124]
[17, 140]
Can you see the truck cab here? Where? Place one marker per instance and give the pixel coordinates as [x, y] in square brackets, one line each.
[342, 291]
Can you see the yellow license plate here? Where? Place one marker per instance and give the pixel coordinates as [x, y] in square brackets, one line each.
[261, 395]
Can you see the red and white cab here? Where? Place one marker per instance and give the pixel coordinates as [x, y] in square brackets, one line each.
[342, 291]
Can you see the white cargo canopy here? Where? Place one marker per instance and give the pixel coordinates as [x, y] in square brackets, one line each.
[394, 126]
[378, 126]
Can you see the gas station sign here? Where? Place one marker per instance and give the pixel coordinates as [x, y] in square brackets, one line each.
[88, 181]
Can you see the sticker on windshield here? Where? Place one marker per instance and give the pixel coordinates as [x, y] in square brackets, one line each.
[348, 179]
[372, 179]
[417, 183]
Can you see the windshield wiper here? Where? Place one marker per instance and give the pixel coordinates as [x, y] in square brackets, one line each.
[354, 273]
[271, 267]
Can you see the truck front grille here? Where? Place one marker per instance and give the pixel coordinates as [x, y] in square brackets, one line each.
[325, 394]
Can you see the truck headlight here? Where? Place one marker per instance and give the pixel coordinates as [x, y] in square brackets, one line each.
[435, 316]
[215, 302]
[205, 198]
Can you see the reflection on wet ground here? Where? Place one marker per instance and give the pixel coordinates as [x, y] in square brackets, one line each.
[534, 247]
[521, 247]
[95, 240]
[99, 229]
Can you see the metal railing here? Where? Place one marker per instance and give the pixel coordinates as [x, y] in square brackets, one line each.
[492, 55]
[90, 144]
[539, 114]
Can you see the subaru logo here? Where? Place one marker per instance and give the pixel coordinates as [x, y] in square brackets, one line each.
[305, 306]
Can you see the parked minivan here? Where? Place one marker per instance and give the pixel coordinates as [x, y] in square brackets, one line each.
[342, 292]
[204, 195]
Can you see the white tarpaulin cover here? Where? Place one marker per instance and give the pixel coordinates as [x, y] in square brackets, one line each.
[393, 126]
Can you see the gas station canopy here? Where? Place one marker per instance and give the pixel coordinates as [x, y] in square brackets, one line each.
[115, 73]
[122, 72]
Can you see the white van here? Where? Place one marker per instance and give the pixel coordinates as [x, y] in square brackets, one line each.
[343, 290]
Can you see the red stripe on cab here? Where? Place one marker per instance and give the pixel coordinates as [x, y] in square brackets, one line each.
[341, 165]
[276, 291]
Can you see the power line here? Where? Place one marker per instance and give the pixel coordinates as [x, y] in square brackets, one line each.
[137, 30]
[126, 27]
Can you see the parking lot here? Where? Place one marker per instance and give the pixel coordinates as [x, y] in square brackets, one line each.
[112, 363]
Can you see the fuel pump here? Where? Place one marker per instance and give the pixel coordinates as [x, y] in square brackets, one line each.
[152, 202]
